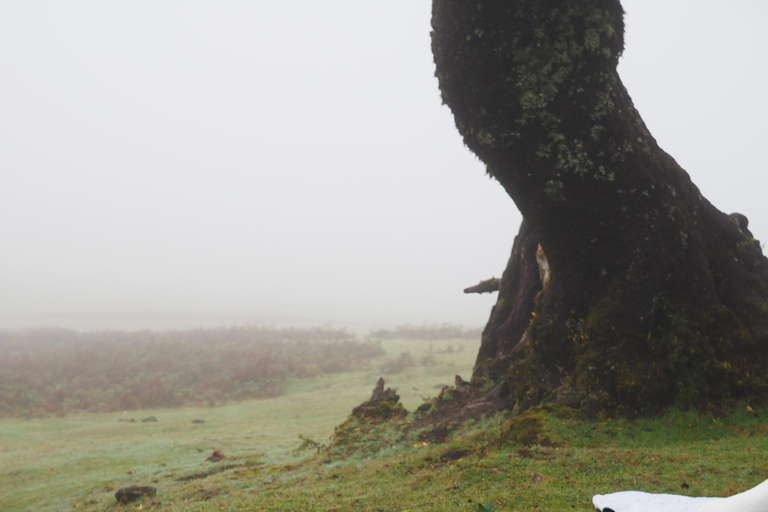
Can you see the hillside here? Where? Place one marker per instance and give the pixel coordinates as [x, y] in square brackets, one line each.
[547, 459]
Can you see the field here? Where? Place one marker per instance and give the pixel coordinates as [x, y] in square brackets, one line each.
[78, 461]
[547, 459]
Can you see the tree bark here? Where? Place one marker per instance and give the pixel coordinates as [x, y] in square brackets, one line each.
[655, 298]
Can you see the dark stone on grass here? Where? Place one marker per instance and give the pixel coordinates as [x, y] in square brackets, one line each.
[127, 420]
[198, 421]
[216, 456]
[452, 455]
[150, 419]
[134, 492]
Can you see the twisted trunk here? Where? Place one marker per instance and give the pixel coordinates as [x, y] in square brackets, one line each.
[655, 297]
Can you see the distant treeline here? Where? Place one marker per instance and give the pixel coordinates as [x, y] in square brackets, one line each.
[55, 371]
[427, 332]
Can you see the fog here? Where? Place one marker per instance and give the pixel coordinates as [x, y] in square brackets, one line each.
[193, 163]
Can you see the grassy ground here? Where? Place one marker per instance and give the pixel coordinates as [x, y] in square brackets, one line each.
[79, 460]
[547, 460]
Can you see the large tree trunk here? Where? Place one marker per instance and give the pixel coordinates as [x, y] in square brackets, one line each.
[655, 297]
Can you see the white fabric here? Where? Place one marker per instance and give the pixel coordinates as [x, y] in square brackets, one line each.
[634, 501]
[753, 500]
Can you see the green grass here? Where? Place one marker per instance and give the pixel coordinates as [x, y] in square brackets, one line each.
[548, 460]
[78, 461]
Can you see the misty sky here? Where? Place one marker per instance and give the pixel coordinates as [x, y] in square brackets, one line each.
[181, 163]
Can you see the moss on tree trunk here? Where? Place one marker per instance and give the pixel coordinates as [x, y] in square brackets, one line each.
[655, 297]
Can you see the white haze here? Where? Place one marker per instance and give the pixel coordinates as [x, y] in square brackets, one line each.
[185, 163]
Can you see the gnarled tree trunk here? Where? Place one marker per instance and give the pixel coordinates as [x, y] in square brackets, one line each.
[655, 298]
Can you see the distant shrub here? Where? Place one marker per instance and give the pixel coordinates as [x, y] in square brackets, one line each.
[429, 358]
[443, 331]
[398, 364]
[55, 371]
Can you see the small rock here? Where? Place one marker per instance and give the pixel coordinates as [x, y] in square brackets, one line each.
[150, 419]
[216, 456]
[198, 421]
[133, 493]
[127, 420]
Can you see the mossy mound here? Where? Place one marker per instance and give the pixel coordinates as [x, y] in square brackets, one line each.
[382, 411]
[534, 427]
[383, 404]
[372, 425]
